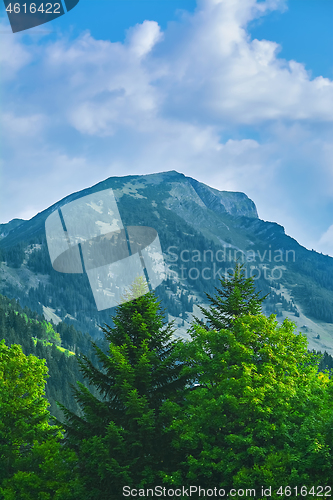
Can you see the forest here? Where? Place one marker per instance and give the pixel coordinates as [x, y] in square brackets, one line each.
[242, 408]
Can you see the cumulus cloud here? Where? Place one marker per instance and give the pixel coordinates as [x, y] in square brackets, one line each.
[13, 54]
[234, 79]
[143, 37]
[201, 97]
[206, 69]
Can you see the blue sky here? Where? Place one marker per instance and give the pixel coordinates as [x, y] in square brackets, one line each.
[236, 93]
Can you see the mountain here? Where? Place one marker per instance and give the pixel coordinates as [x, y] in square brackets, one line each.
[59, 349]
[201, 231]
[5, 229]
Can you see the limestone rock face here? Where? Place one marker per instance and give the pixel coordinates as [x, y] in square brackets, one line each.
[237, 204]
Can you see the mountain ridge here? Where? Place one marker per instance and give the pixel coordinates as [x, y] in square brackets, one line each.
[247, 207]
[191, 219]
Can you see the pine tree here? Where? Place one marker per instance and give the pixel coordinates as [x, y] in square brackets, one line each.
[120, 436]
[236, 297]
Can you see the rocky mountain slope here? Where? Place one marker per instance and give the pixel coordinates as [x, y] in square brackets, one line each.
[202, 231]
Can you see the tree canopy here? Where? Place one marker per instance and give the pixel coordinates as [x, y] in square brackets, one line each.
[126, 424]
[235, 297]
[241, 404]
[33, 465]
[260, 414]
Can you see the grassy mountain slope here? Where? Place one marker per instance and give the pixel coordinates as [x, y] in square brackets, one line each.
[59, 346]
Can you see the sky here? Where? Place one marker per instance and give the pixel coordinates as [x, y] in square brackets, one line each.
[237, 94]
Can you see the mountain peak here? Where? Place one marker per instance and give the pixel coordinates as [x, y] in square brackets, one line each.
[184, 195]
[233, 202]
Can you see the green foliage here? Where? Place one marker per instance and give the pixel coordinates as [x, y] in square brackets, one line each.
[22, 326]
[326, 362]
[240, 405]
[260, 413]
[120, 438]
[33, 464]
[22, 402]
[236, 297]
[14, 256]
[50, 334]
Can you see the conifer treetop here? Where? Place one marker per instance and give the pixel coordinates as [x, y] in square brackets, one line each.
[236, 297]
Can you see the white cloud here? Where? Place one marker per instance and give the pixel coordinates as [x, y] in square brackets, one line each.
[13, 54]
[235, 80]
[206, 69]
[201, 98]
[143, 37]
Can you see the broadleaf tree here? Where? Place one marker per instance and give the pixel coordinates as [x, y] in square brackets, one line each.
[34, 464]
[259, 413]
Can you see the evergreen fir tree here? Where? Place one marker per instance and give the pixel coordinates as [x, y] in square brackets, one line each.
[120, 436]
[236, 297]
